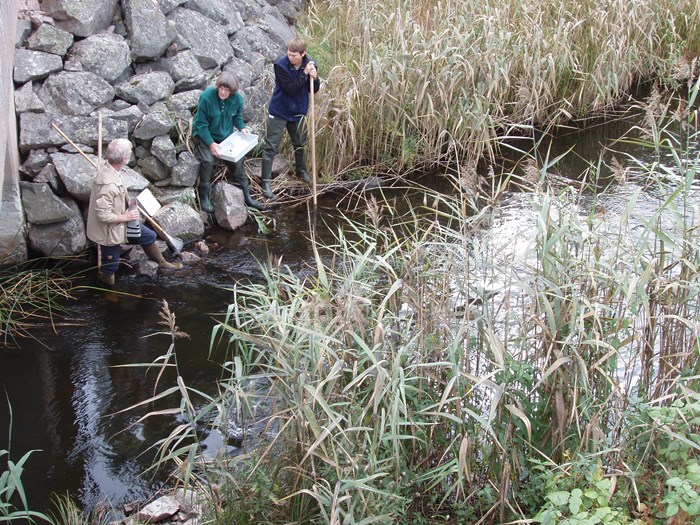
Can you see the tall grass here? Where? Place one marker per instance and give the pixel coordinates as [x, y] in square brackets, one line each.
[410, 82]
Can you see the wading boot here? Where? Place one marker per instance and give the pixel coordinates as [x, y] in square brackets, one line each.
[154, 254]
[241, 179]
[301, 166]
[266, 177]
[205, 187]
[105, 278]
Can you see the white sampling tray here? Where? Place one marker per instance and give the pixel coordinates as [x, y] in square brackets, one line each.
[237, 145]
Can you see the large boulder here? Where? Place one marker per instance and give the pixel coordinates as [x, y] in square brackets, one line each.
[50, 39]
[149, 30]
[81, 17]
[41, 205]
[208, 41]
[230, 210]
[180, 220]
[35, 65]
[75, 93]
[36, 130]
[147, 88]
[105, 54]
[60, 238]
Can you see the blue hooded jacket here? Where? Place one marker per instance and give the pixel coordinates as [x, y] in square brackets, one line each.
[290, 99]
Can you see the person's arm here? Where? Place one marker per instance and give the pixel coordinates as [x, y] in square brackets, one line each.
[200, 124]
[238, 114]
[105, 206]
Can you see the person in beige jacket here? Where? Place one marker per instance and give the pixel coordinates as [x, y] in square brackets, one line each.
[108, 214]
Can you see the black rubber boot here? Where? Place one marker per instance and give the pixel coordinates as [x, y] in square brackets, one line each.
[205, 187]
[241, 179]
[266, 177]
[301, 165]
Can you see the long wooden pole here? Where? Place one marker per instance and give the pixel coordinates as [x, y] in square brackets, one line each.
[99, 159]
[312, 120]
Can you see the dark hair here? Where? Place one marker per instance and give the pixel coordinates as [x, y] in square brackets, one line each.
[227, 79]
[297, 45]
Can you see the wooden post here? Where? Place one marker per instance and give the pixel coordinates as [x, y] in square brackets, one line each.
[312, 126]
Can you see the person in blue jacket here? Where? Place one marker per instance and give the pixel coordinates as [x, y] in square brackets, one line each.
[288, 106]
[220, 108]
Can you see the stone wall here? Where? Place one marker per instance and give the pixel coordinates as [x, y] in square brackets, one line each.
[136, 67]
[12, 227]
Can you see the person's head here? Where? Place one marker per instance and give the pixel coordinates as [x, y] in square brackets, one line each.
[296, 49]
[226, 84]
[118, 152]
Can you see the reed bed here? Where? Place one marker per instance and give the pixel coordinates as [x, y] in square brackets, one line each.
[430, 372]
[408, 83]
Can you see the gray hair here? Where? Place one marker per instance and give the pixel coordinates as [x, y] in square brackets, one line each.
[118, 151]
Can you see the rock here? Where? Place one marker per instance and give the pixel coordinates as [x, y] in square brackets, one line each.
[158, 122]
[28, 101]
[230, 210]
[105, 54]
[35, 162]
[184, 65]
[48, 175]
[149, 30]
[76, 173]
[147, 88]
[133, 180]
[221, 11]
[172, 194]
[164, 150]
[168, 5]
[186, 171]
[132, 115]
[185, 100]
[208, 41]
[41, 205]
[24, 28]
[36, 130]
[153, 168]
[180, 220]
[60, 238]
[35, 65]
[75, 93]
[50, 39]
[81, 17]
[259, 40]
[159, 510]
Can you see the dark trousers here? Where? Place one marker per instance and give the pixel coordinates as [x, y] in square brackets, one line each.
[110, 254]
[273, 139]
[207, 162]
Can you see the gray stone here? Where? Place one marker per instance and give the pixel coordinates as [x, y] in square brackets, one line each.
[50, 39]
[186, 171]
[36, 130]
[149, 30]
[182, 66]
[159, 510]
[222, 11]
[269, 45]
[172, 194]
[230, 210]
[48, 175]
[163, 149]
[81, 17]
[208, 41]
[105, 54]
[168, 5]
[242, 70]
[61, 238]
[153, 168]
[132, 115]
[41, 205]
[24, 28]
[158, 122]
[185, 100]
[133, 180]
[76, 173]
[198, 82]
[27, 100]
[147, 88]
[35, 162]
[35, 65]
[180, 220]
[75, 93]
[13, 228]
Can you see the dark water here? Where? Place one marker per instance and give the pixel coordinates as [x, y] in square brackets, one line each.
[66, 395]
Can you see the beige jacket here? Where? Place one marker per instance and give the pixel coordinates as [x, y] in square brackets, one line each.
[108, 199]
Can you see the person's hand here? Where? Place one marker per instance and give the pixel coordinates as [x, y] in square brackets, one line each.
[131, 215]
[214, 148]
[310, 70]
[245, 131]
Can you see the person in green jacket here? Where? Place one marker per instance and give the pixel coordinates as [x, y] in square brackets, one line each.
[220, 108]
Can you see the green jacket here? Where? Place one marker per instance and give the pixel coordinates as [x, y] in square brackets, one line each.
[215, 118]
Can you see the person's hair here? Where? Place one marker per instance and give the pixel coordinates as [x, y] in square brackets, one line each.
[228, 80]
[118, 151]
[297, 45]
